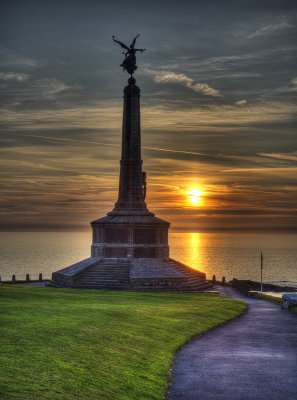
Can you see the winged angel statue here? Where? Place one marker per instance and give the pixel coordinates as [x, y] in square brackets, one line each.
[129, 63]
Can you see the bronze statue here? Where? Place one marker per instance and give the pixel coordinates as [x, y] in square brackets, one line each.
[129, 63]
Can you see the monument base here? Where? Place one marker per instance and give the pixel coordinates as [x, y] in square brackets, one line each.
[130, 252]
[149, 274]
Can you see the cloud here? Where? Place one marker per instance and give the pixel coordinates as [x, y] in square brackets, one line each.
[271, 170]
[291, 87]
[13, 76]
[241, 103]
[182, 79]
[294, 82]
[270, 29]
[217, 115]
[50, 87]
[238, 65]
[167, 76]
[99, 114]
[30, 89]
[281, 156]
[205, 89]
[61, 117]
[13, 56]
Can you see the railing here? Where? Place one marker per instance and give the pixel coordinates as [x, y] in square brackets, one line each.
[25, 278]
[222, 282]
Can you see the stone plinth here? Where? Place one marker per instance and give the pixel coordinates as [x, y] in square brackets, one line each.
[130, 274]
[133, 236]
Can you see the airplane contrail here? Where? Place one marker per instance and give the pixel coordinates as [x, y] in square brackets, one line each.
[108, 144]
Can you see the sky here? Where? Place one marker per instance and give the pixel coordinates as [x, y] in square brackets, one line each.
[218, 86]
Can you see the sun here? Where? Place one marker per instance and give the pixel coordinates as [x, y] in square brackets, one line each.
[195, 197]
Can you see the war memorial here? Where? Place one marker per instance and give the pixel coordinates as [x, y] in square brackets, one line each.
[130, 244]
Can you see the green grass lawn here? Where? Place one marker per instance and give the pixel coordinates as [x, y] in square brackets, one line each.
[84, 344]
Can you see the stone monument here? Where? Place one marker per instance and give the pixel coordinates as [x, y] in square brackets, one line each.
[130, 245]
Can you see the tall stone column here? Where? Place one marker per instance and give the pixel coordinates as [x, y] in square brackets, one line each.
[131, 186]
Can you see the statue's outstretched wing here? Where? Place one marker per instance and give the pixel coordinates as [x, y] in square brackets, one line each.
[134, 41]
[120, 43]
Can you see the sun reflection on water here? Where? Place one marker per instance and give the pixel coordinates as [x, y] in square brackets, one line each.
[195, 242]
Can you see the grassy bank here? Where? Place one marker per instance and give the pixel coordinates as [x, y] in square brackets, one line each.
[274, 299]
[83, 344]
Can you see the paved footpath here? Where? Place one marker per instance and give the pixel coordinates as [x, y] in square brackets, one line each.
[251, 358]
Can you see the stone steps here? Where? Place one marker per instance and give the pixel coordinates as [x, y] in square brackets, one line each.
[185, 268]
[104, 274]
[115, 274]
[100, 279]
[186, 288]
[102, 286]
[195, 279]
[109, 274]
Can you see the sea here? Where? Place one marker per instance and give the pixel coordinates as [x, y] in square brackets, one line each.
[232, 255]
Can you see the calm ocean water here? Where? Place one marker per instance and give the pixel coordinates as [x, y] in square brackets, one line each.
[222, 254]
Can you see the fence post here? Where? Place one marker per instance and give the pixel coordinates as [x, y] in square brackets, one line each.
[27, 278]
[40, 277]
[13, 278]
[213, 279]
[223, 280]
